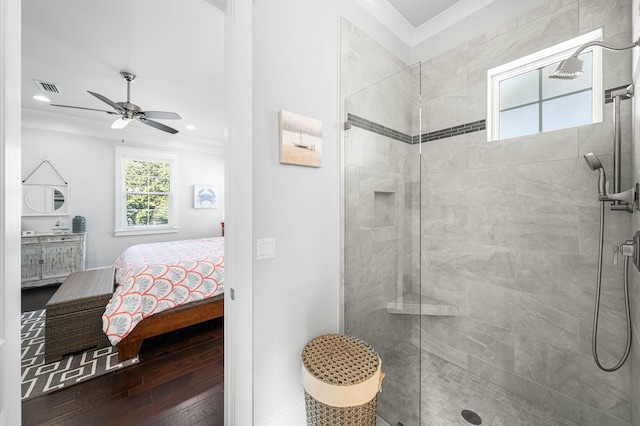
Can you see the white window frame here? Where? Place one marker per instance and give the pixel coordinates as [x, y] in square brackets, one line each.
[541, 59]
[124, 153]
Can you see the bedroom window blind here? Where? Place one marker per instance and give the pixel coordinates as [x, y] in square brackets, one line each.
[146, 191]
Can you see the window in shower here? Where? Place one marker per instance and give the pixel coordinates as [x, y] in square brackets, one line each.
[523, 100]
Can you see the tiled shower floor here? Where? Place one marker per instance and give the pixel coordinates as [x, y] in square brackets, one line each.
[448, 389]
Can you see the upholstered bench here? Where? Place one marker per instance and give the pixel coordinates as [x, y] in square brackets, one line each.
[74, 314]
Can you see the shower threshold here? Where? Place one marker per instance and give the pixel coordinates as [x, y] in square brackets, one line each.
[414, 304]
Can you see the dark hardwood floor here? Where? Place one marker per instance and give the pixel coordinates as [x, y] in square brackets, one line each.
[179, 381]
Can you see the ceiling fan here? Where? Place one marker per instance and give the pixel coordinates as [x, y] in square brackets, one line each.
[128, 111]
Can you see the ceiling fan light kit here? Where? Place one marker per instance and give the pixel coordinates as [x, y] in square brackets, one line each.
[129, 111]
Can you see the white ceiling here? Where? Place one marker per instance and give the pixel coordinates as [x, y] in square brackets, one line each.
[175, 48]
[417, 12]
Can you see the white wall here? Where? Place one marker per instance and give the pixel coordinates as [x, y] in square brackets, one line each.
[296, 294]
[87, 164]
[9, 215]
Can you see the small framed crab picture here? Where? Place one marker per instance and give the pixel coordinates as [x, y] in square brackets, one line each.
[205, 197]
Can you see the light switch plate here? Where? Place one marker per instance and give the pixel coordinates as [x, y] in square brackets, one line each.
[266, 248]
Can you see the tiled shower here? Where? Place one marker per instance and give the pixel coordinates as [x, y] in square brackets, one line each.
[471, 265]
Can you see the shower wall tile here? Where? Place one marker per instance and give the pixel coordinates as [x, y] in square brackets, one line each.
[447, 289]
[352, 184]
[445, 111]
[593, 417]
[560, 276]
[493, 33]
[546, 319]
[555, 183]
[598, 137]
[461, 49]
[614, 17]
[488, 303]
[464, 335]
[445, 155]
[365, 60]
[372, 272]
[616, 231]
[470, 188]
[547, 228]
[373, 151]
[617, 65]
[445, 77]
[561, 144]
[536, 184]
[546, 31]
[543, 11]
[445, 221]
[572, 374]
[459, 258]
[476, 105]
[611, 334]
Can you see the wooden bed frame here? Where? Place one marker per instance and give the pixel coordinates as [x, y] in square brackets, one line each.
[169, 320]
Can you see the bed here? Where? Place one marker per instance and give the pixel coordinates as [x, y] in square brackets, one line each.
[163, 287]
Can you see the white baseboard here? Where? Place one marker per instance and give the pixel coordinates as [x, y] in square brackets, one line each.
[295, 415]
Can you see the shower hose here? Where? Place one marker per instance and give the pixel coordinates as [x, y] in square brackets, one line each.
[594, 340]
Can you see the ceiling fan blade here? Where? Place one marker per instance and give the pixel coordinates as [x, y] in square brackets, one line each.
[157, 125]
[88, 109]
[162, 115]
[107, 101]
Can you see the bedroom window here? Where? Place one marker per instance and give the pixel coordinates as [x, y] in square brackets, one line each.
[522, 100]
[146, 197]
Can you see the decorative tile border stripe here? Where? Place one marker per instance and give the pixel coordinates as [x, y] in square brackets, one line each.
[378, 128]
[449, 132]
[607, 94]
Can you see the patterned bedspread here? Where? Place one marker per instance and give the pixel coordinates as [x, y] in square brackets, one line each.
[154, 277]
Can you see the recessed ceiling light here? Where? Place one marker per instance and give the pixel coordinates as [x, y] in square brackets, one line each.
[191, 127]
[41, 98]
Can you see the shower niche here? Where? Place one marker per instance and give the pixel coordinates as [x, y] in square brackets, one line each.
[384, 205]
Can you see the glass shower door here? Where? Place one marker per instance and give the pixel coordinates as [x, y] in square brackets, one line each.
[382, 253]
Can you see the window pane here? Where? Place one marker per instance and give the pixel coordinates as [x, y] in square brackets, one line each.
[519, 122]
[519, 90]
[159, 184]
[569, 111]
[554, 87]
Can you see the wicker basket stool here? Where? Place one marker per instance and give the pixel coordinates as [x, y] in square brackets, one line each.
[341, 376]
[74, 314]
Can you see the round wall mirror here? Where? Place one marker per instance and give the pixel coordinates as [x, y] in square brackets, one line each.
[44, 200]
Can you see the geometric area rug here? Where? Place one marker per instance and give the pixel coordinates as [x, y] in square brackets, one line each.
[39, 378]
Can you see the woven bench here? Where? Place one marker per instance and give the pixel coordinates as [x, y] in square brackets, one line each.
[74, 314]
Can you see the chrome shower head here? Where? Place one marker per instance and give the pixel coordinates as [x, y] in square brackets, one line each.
[571, 67]
[568, 69]
[594, 163]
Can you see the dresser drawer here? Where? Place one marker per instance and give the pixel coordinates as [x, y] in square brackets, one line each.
[63, 237]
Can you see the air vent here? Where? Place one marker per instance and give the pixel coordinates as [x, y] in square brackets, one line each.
[48, 87]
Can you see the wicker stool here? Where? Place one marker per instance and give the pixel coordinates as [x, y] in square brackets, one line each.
[341, 376]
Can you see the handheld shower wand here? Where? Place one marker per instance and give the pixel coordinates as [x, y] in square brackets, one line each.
[594, 163]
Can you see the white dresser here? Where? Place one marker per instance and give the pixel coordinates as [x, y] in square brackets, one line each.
[49, 258]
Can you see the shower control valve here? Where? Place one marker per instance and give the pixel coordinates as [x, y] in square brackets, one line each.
[630, 249]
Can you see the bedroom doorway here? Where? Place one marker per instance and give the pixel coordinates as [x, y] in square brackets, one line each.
[215, 3]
